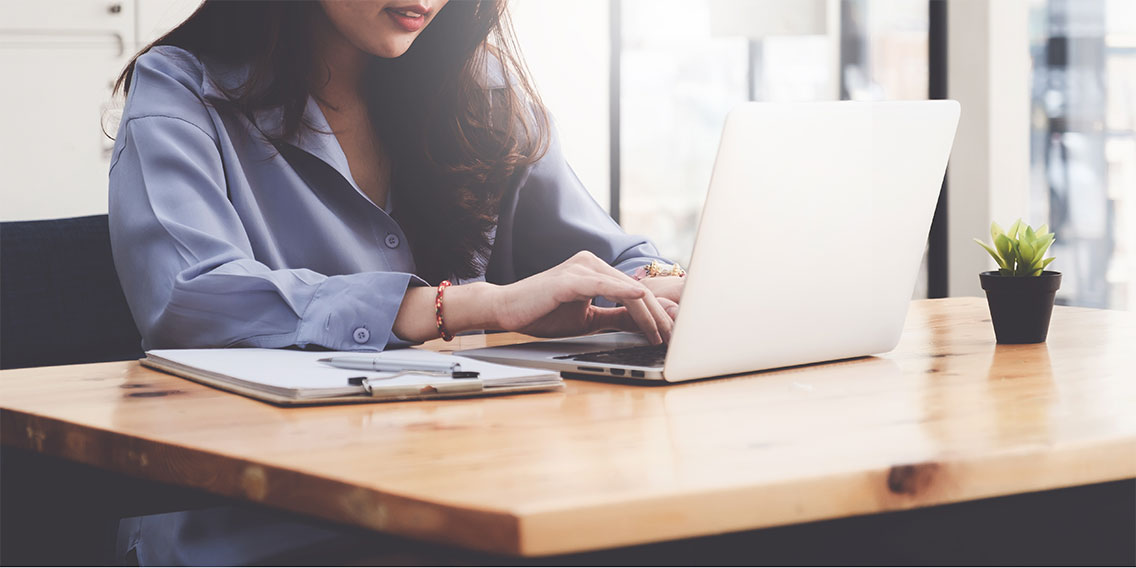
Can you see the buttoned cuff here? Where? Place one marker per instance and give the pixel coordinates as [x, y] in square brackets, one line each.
[355, 312]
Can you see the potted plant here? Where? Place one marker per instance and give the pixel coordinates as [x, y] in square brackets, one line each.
[1021, 292]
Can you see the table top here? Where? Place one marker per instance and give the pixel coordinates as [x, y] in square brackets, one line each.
[948, 416]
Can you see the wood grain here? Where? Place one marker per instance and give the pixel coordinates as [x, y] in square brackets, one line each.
[948, 416]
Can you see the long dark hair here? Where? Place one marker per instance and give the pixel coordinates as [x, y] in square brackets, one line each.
[453, 155]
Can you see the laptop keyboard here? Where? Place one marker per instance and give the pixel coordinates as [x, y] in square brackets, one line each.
[644, 356]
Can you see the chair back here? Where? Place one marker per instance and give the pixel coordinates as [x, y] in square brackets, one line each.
[60, 298]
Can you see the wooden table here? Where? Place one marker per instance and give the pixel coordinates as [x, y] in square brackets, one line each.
[946, 417]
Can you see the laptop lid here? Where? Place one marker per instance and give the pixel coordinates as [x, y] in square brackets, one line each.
[812, 234]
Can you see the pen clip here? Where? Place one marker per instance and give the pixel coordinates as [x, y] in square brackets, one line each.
[365, 382]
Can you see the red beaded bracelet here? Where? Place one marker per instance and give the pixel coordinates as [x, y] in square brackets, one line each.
[438, 311]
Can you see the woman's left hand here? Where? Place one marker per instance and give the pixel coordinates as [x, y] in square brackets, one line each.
[669, 287]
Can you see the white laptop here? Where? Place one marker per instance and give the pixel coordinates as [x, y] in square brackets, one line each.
[808, 248]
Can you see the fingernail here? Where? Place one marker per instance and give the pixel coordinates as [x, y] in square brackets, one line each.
[672, 311]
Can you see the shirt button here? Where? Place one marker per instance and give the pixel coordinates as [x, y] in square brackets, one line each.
[392, 240]
[361, 335]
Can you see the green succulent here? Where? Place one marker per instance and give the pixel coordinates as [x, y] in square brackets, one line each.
[1019, 251]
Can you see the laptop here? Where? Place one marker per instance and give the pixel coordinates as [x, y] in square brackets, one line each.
[808, 247]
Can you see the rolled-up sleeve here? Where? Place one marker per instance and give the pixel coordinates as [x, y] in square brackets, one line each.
[187, 266]
[552, 216]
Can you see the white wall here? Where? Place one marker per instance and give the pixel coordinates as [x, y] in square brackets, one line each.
[989, 74]
[60, 59]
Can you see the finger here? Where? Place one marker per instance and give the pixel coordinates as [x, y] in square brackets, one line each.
[654, 321]
[603, 319]
[663, 322]
[593, 261]
[591, 284]
[644, 320]
[655, 308]
[669, 306]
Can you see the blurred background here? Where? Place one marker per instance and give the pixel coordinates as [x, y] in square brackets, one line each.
[640, 90]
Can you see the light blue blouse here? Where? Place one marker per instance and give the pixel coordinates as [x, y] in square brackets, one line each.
[222, 239]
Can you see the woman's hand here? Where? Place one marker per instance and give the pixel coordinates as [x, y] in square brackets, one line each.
[554, 303]
[558, 302]
[669, 287]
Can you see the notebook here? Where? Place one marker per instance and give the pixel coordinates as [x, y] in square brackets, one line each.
[291, 377]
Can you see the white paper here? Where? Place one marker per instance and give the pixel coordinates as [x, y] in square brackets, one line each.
[299, 374]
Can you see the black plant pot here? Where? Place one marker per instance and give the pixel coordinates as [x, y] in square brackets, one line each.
[1020, 306]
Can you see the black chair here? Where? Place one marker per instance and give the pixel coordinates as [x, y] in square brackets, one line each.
[60, 298]
[60, 304]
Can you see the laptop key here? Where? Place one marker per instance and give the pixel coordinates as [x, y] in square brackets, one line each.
[643, 356]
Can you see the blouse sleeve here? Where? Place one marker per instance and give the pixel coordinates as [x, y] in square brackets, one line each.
[187, 266]
[551, 216]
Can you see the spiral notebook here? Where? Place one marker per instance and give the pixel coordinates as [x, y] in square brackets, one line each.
[292, 377]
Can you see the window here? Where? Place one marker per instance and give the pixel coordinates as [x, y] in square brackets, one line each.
[686, 64]
[1083, 144]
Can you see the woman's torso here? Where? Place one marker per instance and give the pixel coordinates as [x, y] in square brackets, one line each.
[296, 198]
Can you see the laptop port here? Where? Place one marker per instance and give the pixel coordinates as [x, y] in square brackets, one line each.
[638, 374]
[617, 372]
[591, 369]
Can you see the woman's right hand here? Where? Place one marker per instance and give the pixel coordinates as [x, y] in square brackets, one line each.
[558, 302]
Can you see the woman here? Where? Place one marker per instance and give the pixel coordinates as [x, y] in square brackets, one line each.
[315, 175]
[247, 213]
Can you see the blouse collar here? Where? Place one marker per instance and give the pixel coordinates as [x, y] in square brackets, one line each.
[314, 135]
